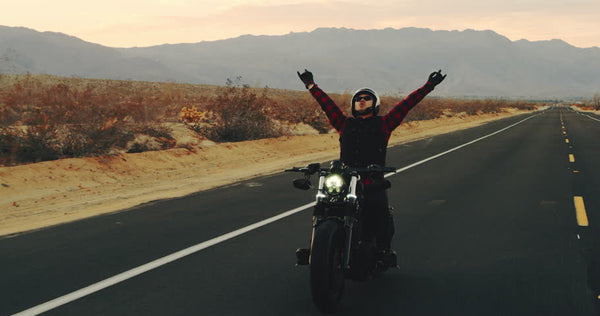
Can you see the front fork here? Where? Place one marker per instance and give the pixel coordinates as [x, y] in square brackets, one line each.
[348, 225]
[348, 220]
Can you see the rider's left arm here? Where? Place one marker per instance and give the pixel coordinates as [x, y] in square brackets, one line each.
[399, 112]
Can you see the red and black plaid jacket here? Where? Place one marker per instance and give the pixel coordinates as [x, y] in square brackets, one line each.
[364, 141]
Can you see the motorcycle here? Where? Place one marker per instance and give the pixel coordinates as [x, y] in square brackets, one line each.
[339, 248]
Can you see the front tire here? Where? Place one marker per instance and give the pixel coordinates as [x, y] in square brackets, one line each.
[362, 262]
[326, 271]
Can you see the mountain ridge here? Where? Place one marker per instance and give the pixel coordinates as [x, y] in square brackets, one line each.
[393, 61]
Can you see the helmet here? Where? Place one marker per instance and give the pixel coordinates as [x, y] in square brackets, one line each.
[376, 102]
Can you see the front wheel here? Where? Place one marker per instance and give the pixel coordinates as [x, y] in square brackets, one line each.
[326, 271]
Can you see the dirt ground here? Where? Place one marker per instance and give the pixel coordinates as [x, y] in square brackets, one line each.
[38, 195]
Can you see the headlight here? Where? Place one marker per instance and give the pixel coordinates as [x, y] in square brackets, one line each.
[334, 184]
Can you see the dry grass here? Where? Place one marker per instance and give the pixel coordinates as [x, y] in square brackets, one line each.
[47, 117]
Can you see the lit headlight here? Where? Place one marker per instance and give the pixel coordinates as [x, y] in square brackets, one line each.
[334, 184]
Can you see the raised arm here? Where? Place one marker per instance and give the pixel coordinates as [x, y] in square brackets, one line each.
[399, 112]
[336, 117]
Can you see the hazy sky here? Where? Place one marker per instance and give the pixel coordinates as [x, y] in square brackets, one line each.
[127, 23]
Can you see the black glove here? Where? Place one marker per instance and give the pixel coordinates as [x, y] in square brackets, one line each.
[435, 78]
[306, 77]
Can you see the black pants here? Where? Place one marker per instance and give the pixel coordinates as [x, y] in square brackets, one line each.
[378, 220]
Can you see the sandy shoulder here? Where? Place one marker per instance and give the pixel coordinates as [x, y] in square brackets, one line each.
[49, 193]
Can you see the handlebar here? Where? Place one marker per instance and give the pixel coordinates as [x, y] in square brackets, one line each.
[316, 167]
[308, 169]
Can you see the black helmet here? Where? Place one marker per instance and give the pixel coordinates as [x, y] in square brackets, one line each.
[376, 102]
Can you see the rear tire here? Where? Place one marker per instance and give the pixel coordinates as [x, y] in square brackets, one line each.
[326, 271]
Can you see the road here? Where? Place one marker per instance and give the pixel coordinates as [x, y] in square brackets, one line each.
[490, 227]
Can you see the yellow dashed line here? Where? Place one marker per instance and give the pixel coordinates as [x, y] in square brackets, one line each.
[567, 140]
[582, 219]
[571, 158]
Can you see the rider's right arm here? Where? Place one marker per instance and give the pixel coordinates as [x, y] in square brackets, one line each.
[336, 117]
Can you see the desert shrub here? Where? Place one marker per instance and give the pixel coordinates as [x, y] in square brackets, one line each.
[317, 120]
[34, 144]
[9, 139]
[524, 105]
[51, 121]
[75, 143]
[432, 108]
[427, 109]
[143, 143]
[43, 142]
[297, 108]
[151, 137]
[82, 140]
[37, 140]
[31, 145]
[237, 113]
[8, 115]
[38, 143]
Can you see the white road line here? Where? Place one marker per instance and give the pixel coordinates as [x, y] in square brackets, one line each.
[593, 118]
[582, 113]
[209, 243]
[154, 264]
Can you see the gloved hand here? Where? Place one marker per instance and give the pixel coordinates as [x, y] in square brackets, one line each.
[306, 77]
[435, 78]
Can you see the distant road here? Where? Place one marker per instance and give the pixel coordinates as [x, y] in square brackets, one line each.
[504, 222]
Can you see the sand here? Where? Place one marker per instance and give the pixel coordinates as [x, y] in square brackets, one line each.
[43, 194]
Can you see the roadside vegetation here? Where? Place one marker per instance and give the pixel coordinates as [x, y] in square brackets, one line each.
[590, 105]
[46, 117]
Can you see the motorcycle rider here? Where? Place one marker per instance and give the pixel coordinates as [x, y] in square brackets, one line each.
[363, 141]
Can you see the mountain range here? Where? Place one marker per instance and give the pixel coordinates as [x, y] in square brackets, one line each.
[392, 61]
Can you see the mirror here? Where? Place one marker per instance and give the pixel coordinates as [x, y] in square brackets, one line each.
[302, 184]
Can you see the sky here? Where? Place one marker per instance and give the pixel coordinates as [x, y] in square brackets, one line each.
[130, 23]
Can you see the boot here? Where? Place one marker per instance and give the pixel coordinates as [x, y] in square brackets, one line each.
[302, 255]
[387, 258]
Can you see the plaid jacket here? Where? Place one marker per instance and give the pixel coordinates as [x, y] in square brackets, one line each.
[364, 141]
[390, 120]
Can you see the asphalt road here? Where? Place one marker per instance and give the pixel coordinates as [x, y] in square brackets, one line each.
[490, 228]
